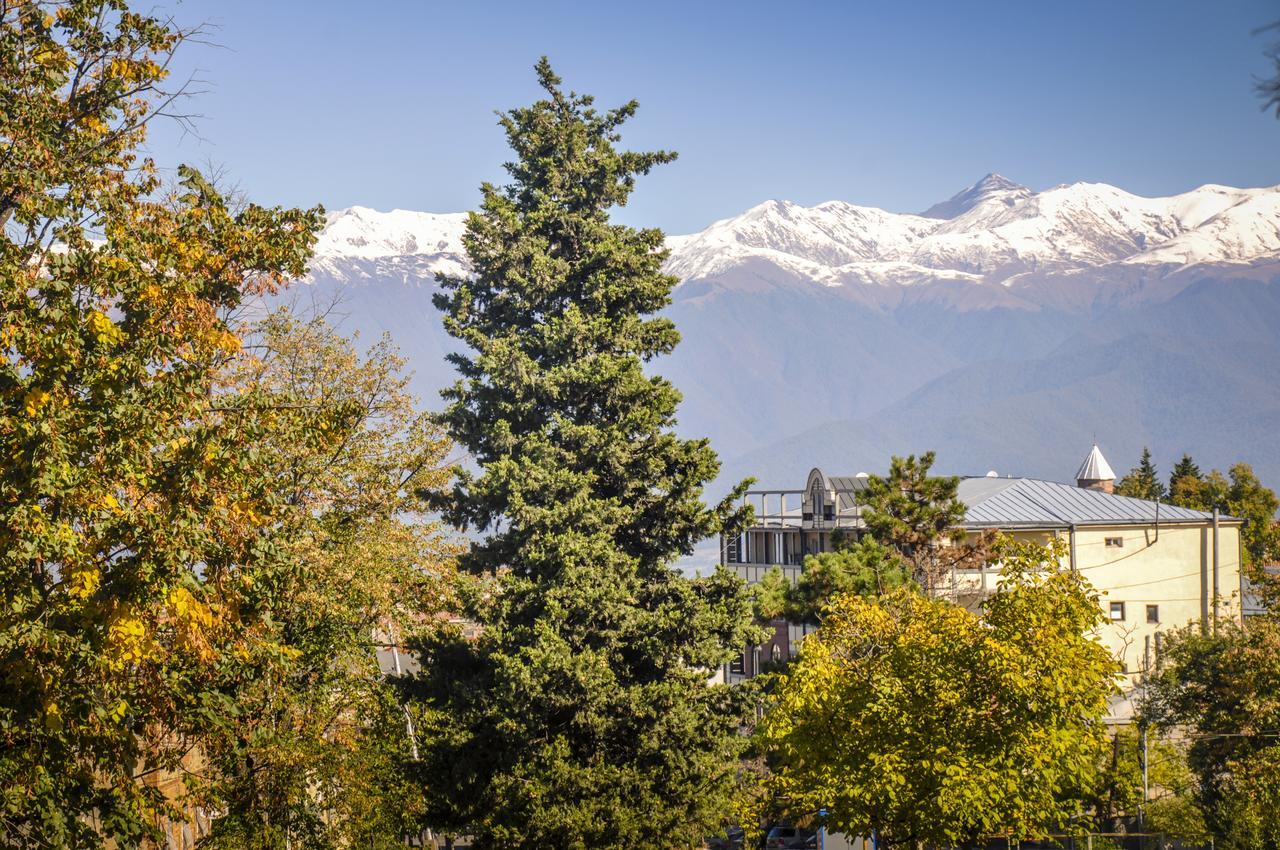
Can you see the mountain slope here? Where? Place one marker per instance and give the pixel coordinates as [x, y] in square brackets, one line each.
[1004, 327]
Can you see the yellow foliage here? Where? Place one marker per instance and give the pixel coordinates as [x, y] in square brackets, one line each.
[127, 641]
[84, 583]
[190, 610]
[104, 329]
[52, 716]
[35, 401]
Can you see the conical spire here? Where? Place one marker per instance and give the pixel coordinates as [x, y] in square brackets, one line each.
[1095, 473]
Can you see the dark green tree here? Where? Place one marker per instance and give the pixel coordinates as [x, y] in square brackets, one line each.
[918, 516]
[865, 568]
[1143, 481]
[581, 715]
[1224, 688]
[1187, 487]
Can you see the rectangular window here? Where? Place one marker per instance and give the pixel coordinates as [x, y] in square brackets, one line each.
[1117, 611]
[738, 665]
[1115, 542]
[1153, 613]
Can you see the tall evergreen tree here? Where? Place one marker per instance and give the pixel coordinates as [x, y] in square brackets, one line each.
[581, 715]
[918, 516]
[1187, 487]
[1143, 481]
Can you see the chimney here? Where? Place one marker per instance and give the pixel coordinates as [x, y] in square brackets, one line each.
[1095, 473]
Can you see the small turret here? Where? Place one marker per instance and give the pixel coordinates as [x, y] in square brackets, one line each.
[1095, 473]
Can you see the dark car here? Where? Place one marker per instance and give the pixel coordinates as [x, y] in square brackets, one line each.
[733, 839]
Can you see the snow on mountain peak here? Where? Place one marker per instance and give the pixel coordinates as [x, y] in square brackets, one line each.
[993, 187]
[366, 233]
[994, 230]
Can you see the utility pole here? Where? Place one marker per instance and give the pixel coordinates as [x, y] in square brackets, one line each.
[1142, 810]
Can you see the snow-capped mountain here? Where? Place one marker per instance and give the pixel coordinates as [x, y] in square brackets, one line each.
[1005, 328]
[992, 231]
[361, 243]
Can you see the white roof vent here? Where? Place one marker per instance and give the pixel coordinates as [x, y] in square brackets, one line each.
[862, 475]
[993, 474]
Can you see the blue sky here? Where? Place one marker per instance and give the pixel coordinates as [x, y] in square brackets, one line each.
[896, 105]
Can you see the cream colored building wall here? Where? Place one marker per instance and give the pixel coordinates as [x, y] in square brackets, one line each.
[1165, 570]
[1171, 570]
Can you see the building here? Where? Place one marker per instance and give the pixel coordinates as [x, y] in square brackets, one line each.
[1156, 566]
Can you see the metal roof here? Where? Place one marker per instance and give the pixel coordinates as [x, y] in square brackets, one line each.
[1095, 467]
[1005, 502]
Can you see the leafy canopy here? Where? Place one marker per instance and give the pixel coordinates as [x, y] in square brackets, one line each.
[124, 497]
[1225, 689]
[917, 720]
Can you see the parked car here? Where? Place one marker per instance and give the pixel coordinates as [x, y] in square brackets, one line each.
[790, 838]
[733, 839]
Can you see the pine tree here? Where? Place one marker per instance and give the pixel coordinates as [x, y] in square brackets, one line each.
[918, 516]
[1143, 481]
[1187, 485]
[581, 715]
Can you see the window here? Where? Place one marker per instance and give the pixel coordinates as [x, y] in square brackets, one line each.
[738, 665]
[1153, 613]
[1117, 611]
[1115, 542]
[775, 653]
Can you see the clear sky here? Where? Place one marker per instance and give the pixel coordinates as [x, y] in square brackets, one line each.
[892, 104]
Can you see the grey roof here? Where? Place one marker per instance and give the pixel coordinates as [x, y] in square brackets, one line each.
[1028, 502]
[1095, 467]
[847, 488]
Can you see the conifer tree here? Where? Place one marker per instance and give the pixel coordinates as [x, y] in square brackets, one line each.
[582, 714]
[1187, 485]
[918, 516]
[1143, 481]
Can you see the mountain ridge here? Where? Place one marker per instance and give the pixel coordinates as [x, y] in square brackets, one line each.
[1018, 327]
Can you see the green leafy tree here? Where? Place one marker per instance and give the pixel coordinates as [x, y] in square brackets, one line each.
[310, 751]
[865, 568]
[1225, 689]
[581, 715]
[945, 733]
[1170, 806]
[121, 499]
[1249, 499]
[1143, 481]
[918, 516]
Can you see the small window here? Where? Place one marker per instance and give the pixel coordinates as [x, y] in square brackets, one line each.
[1153, 613]
[775, 653]
[738, 665]
[1115, 542]
[1117, 611]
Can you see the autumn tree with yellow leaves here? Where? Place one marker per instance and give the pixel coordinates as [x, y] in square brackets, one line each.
[170, 528]
[308, 749]
[919, 722]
